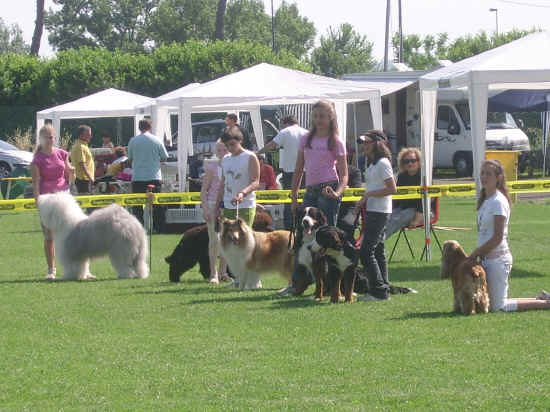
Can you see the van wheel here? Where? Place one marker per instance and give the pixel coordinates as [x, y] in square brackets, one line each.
[463, 165]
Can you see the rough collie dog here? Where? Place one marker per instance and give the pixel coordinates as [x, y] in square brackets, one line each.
[309, 219]
[193, 247]
[110, 231]
[468, 279]
[252, 254]
[342, 258]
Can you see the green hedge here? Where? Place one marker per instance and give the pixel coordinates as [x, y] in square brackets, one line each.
[29, 84]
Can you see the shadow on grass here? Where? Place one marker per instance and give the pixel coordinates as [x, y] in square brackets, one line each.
[427, 315]
[432, 273]
[24, 232]
[55, 281]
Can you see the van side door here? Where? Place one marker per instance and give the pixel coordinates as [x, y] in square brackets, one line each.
[448, 136]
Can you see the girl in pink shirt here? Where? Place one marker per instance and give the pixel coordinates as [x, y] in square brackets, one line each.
[51, 173]
[211, 187]
[323, 156]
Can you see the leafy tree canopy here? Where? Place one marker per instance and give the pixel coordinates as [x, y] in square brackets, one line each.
[342, 50]
[11, 39]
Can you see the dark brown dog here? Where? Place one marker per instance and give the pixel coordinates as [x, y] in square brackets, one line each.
[468, 279]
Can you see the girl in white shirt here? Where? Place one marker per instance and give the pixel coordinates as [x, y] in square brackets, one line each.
[493, 215]
[380, 185]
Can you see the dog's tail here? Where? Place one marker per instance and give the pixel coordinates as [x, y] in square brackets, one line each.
[140, 263]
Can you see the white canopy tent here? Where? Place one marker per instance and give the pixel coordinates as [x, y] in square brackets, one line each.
[263, 84]
[160, 115]
[106, 103]
[521, 64]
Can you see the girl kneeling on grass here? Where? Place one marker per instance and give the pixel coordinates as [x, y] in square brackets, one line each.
[493, 215]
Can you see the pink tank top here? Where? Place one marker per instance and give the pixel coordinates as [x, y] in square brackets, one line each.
[213, 167]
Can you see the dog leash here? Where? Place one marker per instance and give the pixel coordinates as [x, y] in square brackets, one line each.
[292, 231]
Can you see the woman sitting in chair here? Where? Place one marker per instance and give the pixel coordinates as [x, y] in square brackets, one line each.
[406, 212]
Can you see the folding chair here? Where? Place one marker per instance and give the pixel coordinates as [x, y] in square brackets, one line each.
[405, 229]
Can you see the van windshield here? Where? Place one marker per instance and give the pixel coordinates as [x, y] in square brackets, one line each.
[495, 120]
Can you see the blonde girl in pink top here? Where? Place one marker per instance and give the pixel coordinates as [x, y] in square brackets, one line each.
[51, 173]
[211, 187]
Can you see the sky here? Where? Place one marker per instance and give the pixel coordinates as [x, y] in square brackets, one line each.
[456, 17]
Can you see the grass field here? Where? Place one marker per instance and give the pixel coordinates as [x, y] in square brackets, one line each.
[151, 345]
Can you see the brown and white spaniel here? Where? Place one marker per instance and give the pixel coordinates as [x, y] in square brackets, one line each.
[468, 279]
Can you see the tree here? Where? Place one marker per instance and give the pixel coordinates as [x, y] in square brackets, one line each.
[246, 20]
[38, 28]
[182, 20]
[220, 15]
[113, 24]
[422, 53]
[470, 45]
[293, 32]
[11, 39]
[342, 50]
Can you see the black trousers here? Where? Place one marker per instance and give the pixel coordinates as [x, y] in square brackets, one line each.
[158, 211]
[373, 254]
[287, 213]
[83, 186]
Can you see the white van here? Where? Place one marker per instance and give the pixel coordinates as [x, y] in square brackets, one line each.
[453, 139]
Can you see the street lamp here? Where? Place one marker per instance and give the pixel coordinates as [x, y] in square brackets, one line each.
[496, 18]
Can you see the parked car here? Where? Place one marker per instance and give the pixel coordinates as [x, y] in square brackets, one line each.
[206, 133]
[12, 157]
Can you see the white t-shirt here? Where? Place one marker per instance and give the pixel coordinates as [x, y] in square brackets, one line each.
[235, 171]
[375, 176]
[288, 140]
[496, 205]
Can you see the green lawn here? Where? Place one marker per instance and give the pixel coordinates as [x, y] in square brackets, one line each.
[151, 345]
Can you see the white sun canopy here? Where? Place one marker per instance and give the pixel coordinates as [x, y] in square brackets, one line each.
[106, 103]
[263, 84]
[523, 63]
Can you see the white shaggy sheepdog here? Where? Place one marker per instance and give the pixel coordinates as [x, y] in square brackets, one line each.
[110, 231]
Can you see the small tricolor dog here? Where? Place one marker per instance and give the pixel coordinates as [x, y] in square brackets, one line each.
[309, 219]
[468, 279]
[341, 258]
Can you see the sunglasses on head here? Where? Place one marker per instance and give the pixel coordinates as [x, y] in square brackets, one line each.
[407, 161]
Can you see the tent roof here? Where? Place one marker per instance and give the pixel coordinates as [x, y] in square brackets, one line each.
[269, 84]
[525, 60]
[106, 103]
[520, 101]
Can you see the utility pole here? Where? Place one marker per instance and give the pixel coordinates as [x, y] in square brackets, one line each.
[401, 59]
[387, 35]
[272, 28]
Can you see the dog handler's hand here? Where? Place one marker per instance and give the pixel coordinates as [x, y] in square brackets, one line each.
[238, 199]
[330, 193]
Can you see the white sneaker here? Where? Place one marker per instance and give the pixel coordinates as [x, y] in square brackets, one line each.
[51, 274]
[289, 290]
[214, 280]
[369, 298]
[543, 295]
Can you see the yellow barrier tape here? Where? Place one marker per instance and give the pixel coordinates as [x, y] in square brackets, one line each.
[8, 179]
[278, 196]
